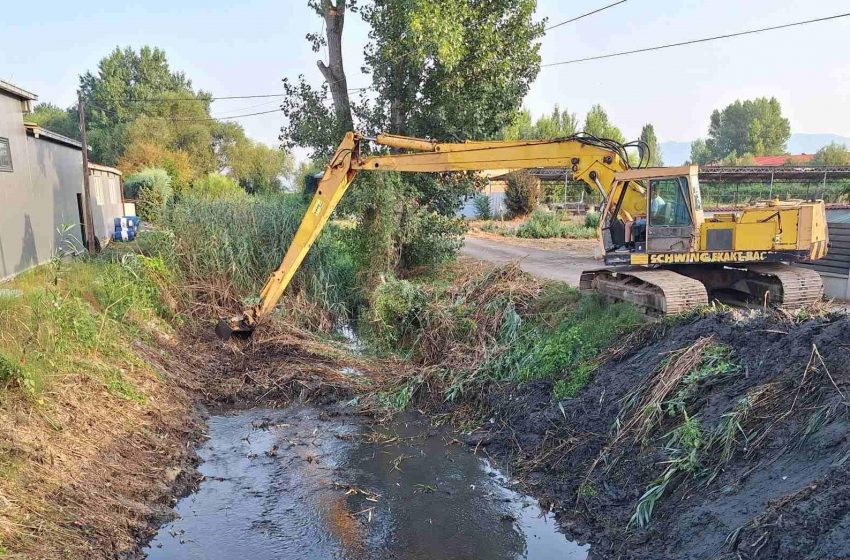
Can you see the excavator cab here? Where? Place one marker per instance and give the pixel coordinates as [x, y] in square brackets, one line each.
[655, 209]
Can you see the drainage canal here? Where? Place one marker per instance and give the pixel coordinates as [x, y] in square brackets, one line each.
[300, 483]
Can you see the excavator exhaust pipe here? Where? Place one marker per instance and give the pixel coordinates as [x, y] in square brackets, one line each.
[234, 327]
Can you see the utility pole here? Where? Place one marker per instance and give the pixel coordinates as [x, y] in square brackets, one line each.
[88, 219]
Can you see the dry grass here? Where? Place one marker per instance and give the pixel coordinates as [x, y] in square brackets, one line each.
[84, 468]
[481, 296]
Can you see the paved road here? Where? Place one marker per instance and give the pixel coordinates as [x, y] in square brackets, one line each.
[554, 264]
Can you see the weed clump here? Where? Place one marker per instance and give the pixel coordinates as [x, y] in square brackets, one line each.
[493, 325]
[396, 305]
[545, 225]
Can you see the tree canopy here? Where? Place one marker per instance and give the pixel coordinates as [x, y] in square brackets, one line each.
[754, 127]
[62, 121]
[557, 124]
[447, 70]
[597, 123]
[833, 154]
[647, 134]
[141, 114]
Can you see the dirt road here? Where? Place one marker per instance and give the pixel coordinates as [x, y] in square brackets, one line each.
[562, 263]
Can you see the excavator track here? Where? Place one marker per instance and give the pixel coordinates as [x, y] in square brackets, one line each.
[656, 291]
[785, 286]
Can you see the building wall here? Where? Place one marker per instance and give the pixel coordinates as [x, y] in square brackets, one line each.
[37, 197]
[20, 211]
[56, 173]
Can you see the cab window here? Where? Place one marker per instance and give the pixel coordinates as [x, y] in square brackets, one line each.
[668, 205]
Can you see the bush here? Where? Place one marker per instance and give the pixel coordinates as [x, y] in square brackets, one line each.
[544, 225]
[395, 307]
[152, 188]
[147, 177]
[481, 203]
[591, 220]
[430, 238]
[522, 193]
[213, 186]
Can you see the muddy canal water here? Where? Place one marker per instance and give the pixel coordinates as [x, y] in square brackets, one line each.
[296, 483]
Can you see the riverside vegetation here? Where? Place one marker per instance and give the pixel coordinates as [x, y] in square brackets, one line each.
[611, 420]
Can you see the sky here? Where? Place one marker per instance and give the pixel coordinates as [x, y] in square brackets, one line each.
[246, 47]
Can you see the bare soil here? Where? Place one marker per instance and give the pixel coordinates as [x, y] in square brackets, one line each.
[555, 259]
[785, 492]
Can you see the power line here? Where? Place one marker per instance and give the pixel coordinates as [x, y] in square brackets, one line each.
[253, 106]
[584, 15]
[169, 99]
[695, 41]
[222, 118]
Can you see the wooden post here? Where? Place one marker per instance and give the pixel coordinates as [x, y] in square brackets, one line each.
[88, 218]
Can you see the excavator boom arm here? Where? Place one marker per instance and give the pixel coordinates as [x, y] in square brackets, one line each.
[589, 162]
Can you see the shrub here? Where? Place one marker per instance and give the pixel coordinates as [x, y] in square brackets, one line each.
[591, 220]
[214, 185]
[544, 225]
[563, 346]
[430, 238]
[152, 189]
[522, 193]
[395, 307]
[147, 177]
[481, 203]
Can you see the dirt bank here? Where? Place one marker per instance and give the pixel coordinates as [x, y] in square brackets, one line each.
[763, 474]
[92, 473]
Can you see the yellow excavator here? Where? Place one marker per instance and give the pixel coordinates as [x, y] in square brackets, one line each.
[661, 252]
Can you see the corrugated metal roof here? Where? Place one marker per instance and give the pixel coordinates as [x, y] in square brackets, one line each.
[838, 216]
[783, 159]
[39, 132]
[16, 91]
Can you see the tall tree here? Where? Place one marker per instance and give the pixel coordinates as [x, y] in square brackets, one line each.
[557, 124]
[334, 71]
[452, 69]
[448, 70]
[116, 95]
[597, 123]
[647, 134]
[700, 155]
[754, 127]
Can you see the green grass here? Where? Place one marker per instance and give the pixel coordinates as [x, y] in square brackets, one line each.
[76, 318]
[563, 343]
[545, 225]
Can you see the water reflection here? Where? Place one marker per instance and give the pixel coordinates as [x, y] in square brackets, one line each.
[294, 484]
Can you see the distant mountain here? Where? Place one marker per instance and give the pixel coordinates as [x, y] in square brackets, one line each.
[677, 153]
[810, 143]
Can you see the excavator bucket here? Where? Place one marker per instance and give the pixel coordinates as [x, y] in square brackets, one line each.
[238, 327]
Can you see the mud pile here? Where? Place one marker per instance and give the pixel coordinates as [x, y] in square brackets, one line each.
[732, 433]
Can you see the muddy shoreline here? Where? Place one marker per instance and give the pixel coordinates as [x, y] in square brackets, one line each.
[782, 498]
[783, 494]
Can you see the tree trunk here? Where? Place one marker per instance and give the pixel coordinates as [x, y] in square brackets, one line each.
[333, 72]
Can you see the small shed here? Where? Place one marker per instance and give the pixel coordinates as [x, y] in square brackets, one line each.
[107, 199]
